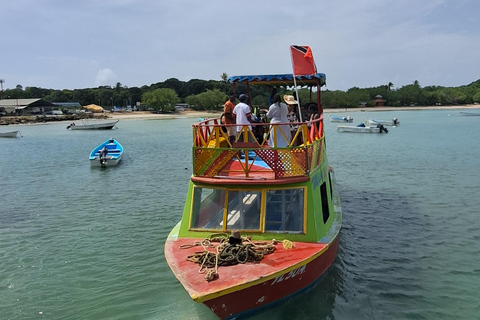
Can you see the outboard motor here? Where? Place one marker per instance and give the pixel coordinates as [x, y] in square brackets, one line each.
[103, 156]
[395, 121]
[382, 128]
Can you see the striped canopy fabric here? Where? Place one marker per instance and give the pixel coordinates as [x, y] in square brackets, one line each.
[281, 79]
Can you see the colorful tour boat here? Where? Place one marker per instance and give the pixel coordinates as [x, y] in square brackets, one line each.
[260, 222]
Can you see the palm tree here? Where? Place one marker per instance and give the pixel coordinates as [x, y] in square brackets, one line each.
[118, 87]
[1, 92]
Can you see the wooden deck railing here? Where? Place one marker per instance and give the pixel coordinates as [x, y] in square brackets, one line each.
[213, 152]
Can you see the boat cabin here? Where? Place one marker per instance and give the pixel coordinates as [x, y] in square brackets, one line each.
[258, 189]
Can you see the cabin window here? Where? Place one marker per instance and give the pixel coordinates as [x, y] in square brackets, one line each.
[207, 208]
[330, 184]
[325, 209]
[243, 210]
[285, 210]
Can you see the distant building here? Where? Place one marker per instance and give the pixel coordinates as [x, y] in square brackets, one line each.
[182, 106]
[379, 101]
[68, 105]
[25, 107]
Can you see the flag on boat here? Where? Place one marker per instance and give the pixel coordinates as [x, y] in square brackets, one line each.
[302, 60]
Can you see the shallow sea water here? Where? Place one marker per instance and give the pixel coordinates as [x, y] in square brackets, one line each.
[87, 243]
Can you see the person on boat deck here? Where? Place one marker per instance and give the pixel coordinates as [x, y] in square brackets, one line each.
[314, 116]
[242, 114]
[292, 107]
[293, 115]
[229, 117]
[310, 109]
[278, 113]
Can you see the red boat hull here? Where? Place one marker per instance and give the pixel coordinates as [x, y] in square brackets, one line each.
[240, 289]
[271, 291]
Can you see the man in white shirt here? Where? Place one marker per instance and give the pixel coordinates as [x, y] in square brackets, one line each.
[242, 112]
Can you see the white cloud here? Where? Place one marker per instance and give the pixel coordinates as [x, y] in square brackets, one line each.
[106, 77]
[355, 43]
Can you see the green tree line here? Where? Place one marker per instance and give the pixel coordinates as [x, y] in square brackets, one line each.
[211, 94]
[408, 95]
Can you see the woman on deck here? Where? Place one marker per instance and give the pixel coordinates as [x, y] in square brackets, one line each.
[278, 113]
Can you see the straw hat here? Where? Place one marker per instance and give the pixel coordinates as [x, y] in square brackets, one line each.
[289, 99]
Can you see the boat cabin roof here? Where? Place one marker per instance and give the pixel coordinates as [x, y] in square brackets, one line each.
[281, 79]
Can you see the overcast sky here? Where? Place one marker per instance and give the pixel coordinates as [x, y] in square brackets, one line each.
[60, 44]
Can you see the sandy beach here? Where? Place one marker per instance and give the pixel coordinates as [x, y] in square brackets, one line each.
[208, 114]
[21, 120]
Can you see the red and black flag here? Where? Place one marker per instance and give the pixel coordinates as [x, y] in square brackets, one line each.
[302, 60]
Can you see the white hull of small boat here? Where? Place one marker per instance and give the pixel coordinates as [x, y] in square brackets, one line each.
[95, 162]
[366, 129]
[341, 119]
[469, 113]
[374, 122]
[358, 129]
[11, 134]
[106, 154]
[93, 125]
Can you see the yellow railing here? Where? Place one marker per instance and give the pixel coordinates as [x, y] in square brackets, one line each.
[213, 151]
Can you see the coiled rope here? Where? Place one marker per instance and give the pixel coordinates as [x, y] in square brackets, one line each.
[228, 254]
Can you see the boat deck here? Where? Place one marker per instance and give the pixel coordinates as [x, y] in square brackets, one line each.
[238, 276]
[251, 157]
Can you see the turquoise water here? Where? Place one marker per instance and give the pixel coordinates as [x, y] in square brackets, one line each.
[87, 243]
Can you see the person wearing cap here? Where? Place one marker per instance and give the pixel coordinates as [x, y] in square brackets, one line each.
[242, 114]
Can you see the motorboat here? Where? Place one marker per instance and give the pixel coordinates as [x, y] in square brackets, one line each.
[374, 122]
[363, 128]
[93, 125]
[347, 119]
[469, 113]
[108, 153]
[10, 134]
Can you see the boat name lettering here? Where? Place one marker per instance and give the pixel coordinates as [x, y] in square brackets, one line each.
[291, 274]
[317, 179]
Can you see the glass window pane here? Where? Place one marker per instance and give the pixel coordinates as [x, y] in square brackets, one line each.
[243, 210]
[285, 210]
[207, 208]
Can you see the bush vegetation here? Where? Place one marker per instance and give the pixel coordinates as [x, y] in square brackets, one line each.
[211, 94]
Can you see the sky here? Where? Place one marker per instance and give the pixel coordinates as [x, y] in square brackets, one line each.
[67, 44]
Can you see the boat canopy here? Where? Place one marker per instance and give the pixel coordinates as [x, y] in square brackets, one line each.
[281, 79]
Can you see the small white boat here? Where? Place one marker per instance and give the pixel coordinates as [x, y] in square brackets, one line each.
[362, 128]
[347, 119]
[108, 153]
[11, 134]
[374, 122]
[469, 113]
[92, 125]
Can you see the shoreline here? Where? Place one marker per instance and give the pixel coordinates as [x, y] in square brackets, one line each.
[370, 109]
[216, 114]
[147, 115]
